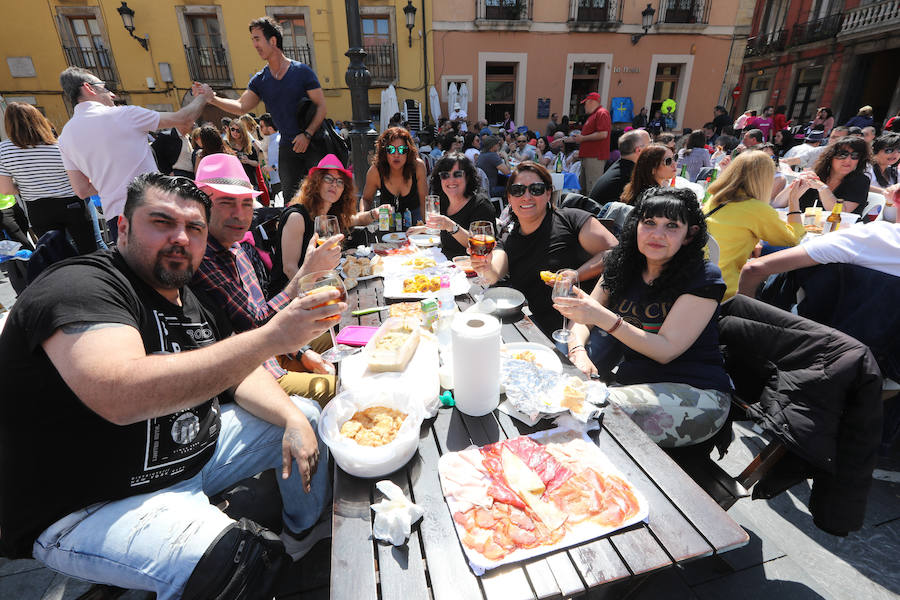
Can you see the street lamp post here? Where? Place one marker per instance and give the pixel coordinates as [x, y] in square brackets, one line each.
[358, 78]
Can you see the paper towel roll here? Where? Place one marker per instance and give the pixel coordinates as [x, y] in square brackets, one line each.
[476, 363]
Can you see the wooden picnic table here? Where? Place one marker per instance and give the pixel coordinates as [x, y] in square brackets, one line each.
[684, 522]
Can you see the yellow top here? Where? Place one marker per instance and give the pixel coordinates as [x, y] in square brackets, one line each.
[738, 227]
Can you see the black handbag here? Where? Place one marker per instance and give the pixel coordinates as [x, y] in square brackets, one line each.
[326, 139]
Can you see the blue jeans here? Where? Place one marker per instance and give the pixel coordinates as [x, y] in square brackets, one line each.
[153, 541]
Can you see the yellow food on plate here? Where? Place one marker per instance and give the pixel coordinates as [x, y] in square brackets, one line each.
[526, 355]
[548, 276]
[420, 262]
[373, 426]
[406, 309]
[419, 284]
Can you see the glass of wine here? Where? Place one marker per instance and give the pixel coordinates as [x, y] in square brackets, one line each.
[432, 208]
[327, 281]
[564, 287]
[326, 226]
[481, 242]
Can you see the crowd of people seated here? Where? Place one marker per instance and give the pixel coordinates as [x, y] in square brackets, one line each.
[185, 307]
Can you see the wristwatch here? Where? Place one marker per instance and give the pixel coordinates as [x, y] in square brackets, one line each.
[306, 133]
[455, 229]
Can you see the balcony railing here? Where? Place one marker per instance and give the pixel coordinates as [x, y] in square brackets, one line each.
[381, 63]
[764, 44]
[207, 64]
[299, 53]
[685, 11]
[597, 11]
[506, 10]
[814, 31]
[95, 60]
[868, 19]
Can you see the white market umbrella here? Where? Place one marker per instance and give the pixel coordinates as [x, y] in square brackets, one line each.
[452, 93]
[435, 101]
[389, 106]
[463, 97]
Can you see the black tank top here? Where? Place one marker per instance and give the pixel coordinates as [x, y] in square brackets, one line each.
[279, 279]
[410, 200]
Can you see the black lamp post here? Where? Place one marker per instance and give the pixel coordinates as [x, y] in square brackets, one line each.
[646, 23]
[127, 15]
[358, 78]
[410, 11]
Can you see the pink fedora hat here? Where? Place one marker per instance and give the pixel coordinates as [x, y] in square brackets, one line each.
[332, 162]
[224, 173]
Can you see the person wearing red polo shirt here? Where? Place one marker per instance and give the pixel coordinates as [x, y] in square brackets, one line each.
[593, 143]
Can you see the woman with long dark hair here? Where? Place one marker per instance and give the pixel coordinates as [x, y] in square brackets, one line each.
[660, 298]
[398, 173]
[783, 141]
[31, 166]
[654, 167]
[455, 181]
[837, 175]
[543, 238]
[210, 143]
[824, 118]
[694, 155]
[882, 171]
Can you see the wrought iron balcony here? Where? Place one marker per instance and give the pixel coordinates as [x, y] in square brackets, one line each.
[207, 64]
[871, 19]
[764, 44]
[299, 53]
[685, 11]
[382, 63]
[95, 60]
[597, 11]
[505, 10]
[814, 31]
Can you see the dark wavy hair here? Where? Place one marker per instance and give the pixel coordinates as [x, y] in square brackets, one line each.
[180, 186]
[539, 170]
[309, 197]
[885, 141]
[444, 164]
[822, 166]
[642, 175]
[270, 29]
[624, 264]
[381, 160]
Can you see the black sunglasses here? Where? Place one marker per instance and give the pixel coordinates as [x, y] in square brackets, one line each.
[668, 161]
[448, 174]
[397, 149]
[845, 154]
[517, 190]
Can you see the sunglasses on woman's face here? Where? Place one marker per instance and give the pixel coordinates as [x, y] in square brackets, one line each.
[535, 189]
[891, 150]
[397, 149]
[330, 180]
[668, 161]
[846, 154]
[454, 174]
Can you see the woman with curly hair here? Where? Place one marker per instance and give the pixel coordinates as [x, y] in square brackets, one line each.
[397, 173]
[654, 167]
[838, 175]
[660, 298]
[327, 190]
[455, 181]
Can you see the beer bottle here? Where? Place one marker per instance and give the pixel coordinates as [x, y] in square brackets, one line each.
[684, 173]
[833, 222]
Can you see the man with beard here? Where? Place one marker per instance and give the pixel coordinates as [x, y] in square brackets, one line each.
[128, 404]
[282, 84]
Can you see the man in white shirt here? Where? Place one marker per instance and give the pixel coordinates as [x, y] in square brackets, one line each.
[267, 128]
[104, 147]
[805, 154]
[874, 246]
[459, 116]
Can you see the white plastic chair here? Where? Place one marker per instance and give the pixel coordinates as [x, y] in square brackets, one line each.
[875, 199]
[712, 248]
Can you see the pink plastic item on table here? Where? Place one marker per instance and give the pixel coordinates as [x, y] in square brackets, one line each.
[355, 335]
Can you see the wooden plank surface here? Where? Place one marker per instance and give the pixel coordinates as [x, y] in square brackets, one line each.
[401, 569]
[352, 554]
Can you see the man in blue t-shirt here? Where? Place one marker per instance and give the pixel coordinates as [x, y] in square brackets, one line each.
[282, 84]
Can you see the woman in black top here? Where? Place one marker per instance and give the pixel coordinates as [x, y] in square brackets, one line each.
[543, 238]
[837, 176]
[241, 145]
[883, 172]
[454, 179]
[398, 173]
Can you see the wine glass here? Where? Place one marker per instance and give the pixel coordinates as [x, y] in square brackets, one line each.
[327, 281]
[326, 226]
[564, 287]
[481, 243]
[432, 208]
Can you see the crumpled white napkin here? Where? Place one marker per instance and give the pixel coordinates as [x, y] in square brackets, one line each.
[394, 515]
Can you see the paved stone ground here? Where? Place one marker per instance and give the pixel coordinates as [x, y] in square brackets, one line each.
[787, 557]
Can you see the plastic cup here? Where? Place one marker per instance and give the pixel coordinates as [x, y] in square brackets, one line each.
[848, 219]
[432, 207]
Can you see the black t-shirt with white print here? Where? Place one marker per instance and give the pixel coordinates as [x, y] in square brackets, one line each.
[57, 455]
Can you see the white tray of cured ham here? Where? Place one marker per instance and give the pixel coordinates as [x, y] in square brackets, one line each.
[532, 495]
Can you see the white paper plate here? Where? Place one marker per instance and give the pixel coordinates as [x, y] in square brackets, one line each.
[545, 357]
[395, 238]
[423, 240]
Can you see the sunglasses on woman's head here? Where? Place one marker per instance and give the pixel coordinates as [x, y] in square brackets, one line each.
[331, 180]
[538, 188]
[846, 154]
[448, 174]
[397, 149]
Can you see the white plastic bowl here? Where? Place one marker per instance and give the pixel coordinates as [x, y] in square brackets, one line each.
[371, 461]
